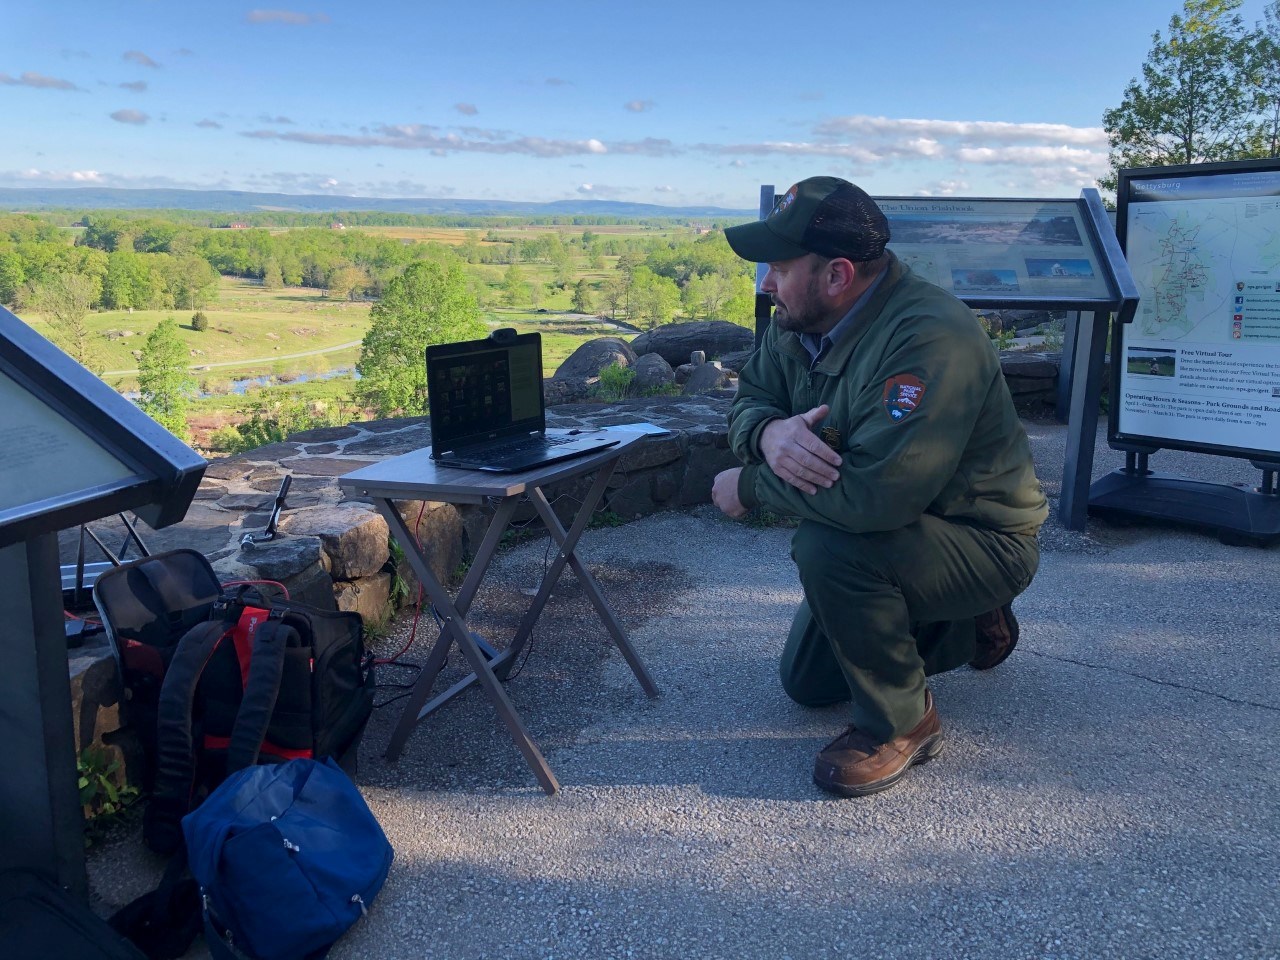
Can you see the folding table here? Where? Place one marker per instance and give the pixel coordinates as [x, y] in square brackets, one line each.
[415, 476]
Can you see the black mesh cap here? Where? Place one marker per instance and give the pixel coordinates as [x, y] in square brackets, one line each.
[822, 215]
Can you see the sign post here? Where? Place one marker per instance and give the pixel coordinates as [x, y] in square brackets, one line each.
[75, 450]
[1199, 368]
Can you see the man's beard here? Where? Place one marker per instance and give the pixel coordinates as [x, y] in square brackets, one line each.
[808, 317]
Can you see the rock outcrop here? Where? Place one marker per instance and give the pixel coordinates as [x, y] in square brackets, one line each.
[675, 342]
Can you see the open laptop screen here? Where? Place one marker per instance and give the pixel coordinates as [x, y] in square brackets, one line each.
[482, 389]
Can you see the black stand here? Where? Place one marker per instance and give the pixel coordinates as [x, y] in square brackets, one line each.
[1237, 513]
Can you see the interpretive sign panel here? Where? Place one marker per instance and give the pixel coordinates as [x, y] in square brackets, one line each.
[45, 456]
[1199, 368]
[1015, 252]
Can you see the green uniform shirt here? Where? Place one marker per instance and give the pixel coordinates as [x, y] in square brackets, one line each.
[920, 414]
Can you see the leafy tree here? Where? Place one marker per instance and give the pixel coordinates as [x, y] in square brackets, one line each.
[199, 321]
[272, 275]
[615, 294]
[65, 298]
[12, 276]
[347, 283]
[189, 281]
[164, 384]
[514, 288]
[654, 298]
[131, 282]
[740, 306]
[704, 295]
[428, 303]
[582, 301]
[1196, 99]
[1267, 71]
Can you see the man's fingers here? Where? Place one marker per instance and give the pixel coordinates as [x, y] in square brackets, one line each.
[801, 474]
[818, 451]
[813, 417]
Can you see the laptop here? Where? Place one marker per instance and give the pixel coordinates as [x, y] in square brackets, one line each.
[487, 409]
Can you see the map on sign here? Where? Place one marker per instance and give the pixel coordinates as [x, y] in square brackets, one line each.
[1200, 363]
[1197, 264]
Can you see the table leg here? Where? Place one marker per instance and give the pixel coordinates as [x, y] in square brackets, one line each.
[414, 709]
[568, 542]
[455, 625]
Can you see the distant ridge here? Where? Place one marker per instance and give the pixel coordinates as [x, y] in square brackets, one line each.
[240, 201]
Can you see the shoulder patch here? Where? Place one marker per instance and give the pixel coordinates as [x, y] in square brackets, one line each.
[902, 395]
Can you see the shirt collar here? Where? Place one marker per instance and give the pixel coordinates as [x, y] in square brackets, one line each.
[818, 344]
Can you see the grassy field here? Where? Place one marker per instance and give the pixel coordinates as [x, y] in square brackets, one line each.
[251, 332]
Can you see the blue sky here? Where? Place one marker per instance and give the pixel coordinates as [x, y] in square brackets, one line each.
[694, 102]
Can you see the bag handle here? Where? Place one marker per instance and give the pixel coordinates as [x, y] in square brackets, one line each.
[266, 667]
[175, 762]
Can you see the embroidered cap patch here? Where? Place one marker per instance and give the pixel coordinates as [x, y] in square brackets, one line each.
[902, 394]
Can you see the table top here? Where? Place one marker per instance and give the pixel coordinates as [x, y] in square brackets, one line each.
[415, 476]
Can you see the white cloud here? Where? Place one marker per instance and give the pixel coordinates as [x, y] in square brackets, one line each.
[638, 106]
[135, 117]
[968, 131]
[140, 58]
[137, 86]
[291, 17]
[38, 81]
[209, 124]
[422, 137]
[54, 176]
[1037, 154]
[602, 191]
[467, 109]
[945, 188]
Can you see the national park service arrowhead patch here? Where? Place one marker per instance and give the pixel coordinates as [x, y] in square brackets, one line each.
[902, 394]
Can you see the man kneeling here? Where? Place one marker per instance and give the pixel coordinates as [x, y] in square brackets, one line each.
[876, 413]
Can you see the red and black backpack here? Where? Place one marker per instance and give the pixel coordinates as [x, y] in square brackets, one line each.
[219, 678]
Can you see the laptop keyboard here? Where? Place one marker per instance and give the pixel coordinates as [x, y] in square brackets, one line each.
[516, 450]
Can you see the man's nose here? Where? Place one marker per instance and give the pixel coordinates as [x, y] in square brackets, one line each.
[768, 285]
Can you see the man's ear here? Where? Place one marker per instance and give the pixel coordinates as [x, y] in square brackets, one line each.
[842, 276]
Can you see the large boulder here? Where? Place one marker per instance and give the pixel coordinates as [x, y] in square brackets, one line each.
[593, 356]
[736, 360]
[652, 374]
[706, 378]
[674, 342]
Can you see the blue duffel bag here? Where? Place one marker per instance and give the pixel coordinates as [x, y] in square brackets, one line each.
[288, 856]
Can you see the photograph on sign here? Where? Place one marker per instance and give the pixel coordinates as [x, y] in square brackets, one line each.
[998, 248]
[1203, 245]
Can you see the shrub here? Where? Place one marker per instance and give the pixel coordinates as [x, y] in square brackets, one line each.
[615, 380]
[273, 422]
[199, 321]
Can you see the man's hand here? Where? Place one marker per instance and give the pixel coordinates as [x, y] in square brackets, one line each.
[795, 454]
[724, 493]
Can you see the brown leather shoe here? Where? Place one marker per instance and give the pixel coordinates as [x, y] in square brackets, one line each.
[853, 765]
[997, 635]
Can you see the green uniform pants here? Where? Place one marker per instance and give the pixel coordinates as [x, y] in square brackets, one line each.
[882, 610]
